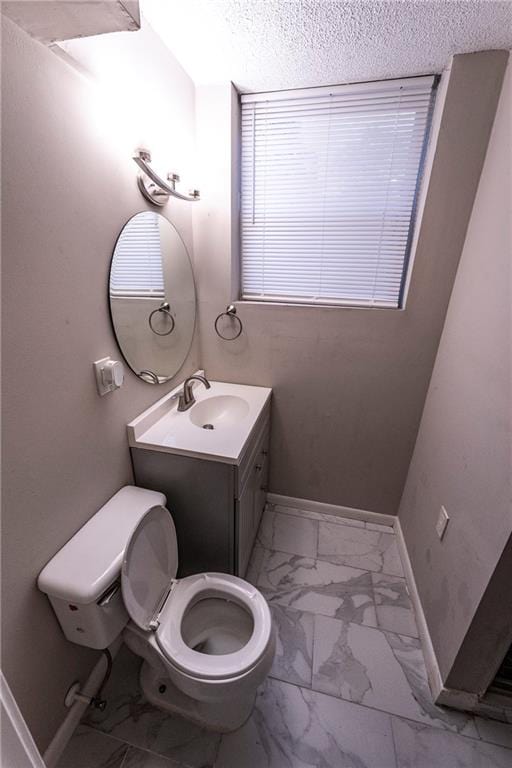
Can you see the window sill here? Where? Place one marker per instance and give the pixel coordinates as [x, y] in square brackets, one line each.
[306, 305]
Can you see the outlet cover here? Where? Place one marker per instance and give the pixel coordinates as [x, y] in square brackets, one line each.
[442, 522]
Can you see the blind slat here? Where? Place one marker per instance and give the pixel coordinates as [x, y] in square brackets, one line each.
[329, 181]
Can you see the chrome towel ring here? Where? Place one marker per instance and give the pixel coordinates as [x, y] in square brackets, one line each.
[231, 313]
[165, 308]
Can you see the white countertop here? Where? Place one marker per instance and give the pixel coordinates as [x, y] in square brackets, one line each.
[162, 428]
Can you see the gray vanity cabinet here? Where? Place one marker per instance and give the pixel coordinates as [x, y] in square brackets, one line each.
[216, 507]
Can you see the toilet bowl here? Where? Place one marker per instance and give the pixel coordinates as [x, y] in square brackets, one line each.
[207, 640]
[214, 646]
[210, 634]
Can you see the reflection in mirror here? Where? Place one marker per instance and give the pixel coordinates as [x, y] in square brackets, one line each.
[152, 297]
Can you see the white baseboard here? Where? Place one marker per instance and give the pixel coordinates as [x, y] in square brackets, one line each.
[331, 509]
[434, 675]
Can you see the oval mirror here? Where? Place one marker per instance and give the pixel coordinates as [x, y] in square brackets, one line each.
[152, 297]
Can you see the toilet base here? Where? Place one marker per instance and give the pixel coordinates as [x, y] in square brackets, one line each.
[221, 717]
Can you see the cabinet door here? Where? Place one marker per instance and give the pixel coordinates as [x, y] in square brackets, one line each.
[260, 490]
[252, 484]
[245, 526]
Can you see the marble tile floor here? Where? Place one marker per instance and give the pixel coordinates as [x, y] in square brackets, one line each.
[348, 687]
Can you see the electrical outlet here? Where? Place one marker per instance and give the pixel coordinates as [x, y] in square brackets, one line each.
[442, 521]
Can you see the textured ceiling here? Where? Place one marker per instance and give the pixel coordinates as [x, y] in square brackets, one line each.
[275, 44]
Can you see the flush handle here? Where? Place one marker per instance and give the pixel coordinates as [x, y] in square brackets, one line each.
[109, 595]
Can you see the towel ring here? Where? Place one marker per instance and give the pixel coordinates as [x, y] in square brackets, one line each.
[164, 307]
[230, 312]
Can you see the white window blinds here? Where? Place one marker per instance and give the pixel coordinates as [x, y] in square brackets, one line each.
[330, 178]
[137, 263]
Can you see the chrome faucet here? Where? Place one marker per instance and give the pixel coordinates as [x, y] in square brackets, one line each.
[186, 396]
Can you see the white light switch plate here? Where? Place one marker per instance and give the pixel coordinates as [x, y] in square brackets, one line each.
[442, 522]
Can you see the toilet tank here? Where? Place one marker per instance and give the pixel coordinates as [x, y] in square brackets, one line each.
[82, 580]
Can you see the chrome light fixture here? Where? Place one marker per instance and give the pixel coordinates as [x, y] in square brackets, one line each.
[155, 189]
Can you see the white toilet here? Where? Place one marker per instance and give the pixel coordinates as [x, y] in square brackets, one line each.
[207, 639]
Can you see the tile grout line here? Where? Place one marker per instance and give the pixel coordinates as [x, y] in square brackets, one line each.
[411, 609]
[350, 522]
[219, 745]
[374, 602]
[330, 562]
[392, 716]
[123, 761]
[336, 618]
[393, 738]
[171, 760]
[313, 651]
[103, 733]
[456, 734]
[334, 519]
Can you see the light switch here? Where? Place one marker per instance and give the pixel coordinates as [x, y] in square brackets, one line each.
[109, 375]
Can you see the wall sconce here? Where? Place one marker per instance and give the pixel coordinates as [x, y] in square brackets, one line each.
[155, 189]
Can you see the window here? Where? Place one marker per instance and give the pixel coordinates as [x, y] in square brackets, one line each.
[330, 179]
[137, 265]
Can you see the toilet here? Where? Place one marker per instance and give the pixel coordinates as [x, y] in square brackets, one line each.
[207, 640]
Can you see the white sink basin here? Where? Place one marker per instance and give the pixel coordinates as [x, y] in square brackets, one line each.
[231, 409]
[219, 411]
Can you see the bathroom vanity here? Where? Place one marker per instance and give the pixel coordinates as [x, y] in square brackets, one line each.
[211, 462]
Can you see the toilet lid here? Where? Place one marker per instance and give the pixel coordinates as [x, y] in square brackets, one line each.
[150, 563]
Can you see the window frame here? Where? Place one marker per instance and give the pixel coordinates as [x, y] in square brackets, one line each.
[421, 185]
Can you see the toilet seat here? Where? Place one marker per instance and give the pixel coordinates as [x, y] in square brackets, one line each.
[156, 601]
[191, 590]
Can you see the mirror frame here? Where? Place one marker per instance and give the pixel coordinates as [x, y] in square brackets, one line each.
[161, 379]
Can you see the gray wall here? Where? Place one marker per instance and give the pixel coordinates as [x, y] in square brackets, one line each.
[462, 457]
[349, 384]
[489, 636]
[68, 188]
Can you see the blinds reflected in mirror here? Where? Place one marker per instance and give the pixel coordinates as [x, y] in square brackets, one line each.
[330, 179]
[137, 268]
